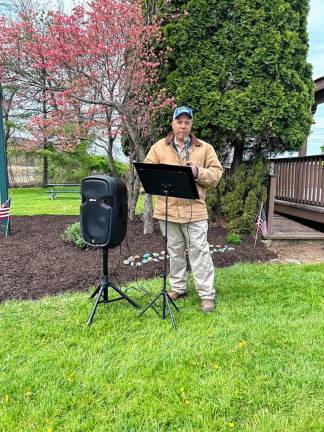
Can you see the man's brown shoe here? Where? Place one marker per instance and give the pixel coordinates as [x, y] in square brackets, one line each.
[207, 306]
[174, 295]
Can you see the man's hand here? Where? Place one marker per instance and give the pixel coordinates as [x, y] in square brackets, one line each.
[193, 168]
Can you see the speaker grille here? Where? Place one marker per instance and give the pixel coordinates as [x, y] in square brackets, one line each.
[109, 201]
[104, 211]
[96, 228]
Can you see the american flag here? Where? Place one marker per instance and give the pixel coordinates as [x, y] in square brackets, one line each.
[261, 222]
[5, 209]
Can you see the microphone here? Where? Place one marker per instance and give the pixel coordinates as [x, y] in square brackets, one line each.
[186, 142]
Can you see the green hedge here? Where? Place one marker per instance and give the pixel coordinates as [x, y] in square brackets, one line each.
[237, 198]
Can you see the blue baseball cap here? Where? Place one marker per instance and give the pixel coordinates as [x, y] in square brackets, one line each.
[182, 110]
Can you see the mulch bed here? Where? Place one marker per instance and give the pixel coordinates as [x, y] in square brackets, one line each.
[35, 261]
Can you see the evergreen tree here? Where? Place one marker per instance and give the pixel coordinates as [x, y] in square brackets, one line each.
[241, 65]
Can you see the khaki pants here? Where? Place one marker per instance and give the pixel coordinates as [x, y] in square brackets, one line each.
[191, 236]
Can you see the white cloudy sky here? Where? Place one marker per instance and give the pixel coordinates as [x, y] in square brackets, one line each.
[70, 3]
[316, 58]
[316, 37]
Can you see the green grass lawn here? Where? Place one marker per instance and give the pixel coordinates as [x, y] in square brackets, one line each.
[255, 364]
[35, 201]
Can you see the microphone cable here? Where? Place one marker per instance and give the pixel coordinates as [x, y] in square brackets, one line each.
[188, 226]
[187, 143]
[139, 287]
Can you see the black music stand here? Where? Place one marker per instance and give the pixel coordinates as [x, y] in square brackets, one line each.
[168, 181]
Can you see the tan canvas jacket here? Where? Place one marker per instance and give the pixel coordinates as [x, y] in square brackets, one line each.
[210, 171]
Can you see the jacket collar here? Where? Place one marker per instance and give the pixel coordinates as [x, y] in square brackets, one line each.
[170, 136]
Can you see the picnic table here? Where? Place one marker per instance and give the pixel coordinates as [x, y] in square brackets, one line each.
[58, 188]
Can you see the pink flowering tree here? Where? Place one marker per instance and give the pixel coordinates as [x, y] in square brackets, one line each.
[28, 85]
[94, 74]
[103, 57]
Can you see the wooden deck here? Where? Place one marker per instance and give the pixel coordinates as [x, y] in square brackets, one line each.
[284, 228]
[304, 211]
[296, 190]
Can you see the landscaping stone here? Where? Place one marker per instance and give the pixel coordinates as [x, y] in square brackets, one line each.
[292, 261]
[275, 261]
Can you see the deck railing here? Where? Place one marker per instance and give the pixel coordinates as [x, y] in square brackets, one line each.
[300, 179]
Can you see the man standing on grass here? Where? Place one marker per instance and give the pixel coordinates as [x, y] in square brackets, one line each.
[187, 219]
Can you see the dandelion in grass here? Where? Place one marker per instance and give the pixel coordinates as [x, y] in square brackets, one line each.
[231, 425]
[242, 344]
[69, 377]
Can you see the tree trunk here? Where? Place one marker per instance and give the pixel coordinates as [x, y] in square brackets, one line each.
[45, 145]
[45, 167]
[148, 214]
[138, 154]
[110, 157]
[135, 195]
[238, 156]
[130, 183]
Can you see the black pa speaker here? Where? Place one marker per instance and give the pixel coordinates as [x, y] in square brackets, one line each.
[103, 211]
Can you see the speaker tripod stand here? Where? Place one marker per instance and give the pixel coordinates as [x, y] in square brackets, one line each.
[102, 290]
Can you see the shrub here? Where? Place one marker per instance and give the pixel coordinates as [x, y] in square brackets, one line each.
[74, 166]
[244, 193]
[213, 199]
[72, 235]
[237, 198]
[233, 237]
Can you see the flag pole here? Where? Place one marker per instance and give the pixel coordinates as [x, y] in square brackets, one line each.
[3, 164]
[257, 230]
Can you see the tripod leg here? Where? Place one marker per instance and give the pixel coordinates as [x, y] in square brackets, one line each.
[96, 304]
[125, 296]
[95, 292]
[151, 305]
[173, 303]
[170, 314]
